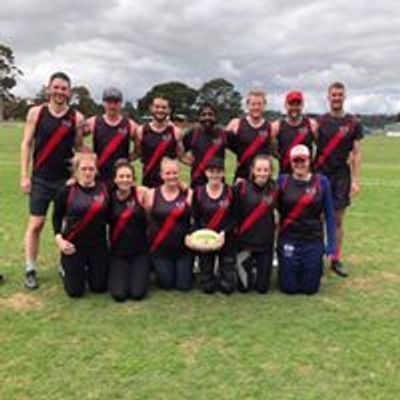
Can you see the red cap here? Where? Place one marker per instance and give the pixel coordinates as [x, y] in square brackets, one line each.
[294, 96]
[300, 151]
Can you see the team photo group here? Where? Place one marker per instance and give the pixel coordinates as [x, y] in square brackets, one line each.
[120, 234]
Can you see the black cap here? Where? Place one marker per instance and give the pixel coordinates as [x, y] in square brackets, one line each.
[112, 93]
[216, 163]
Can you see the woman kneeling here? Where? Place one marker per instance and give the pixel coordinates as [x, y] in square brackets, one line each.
[79, 222]
[129, 266]
[304, 203]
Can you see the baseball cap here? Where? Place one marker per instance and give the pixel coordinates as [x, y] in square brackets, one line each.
[300, 151]
[112, 93]
[216, 163]
[295, 96]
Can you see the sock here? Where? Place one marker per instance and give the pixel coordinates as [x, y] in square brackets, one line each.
[338, 255]
[30, 266]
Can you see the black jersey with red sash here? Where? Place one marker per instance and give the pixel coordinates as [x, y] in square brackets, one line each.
[204, 146]
[336, 137]
[302, 205]
[290, 136]
[169, 223]
[155, 146]
[127, 235]
[80, 214]
[210, 213]
[248, 142]
[54, 141]
[110, 143]
[254, 213]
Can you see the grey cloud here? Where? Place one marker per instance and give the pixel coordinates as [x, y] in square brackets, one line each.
[278, 45]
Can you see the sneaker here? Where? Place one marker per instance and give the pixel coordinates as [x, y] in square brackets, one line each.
[1, 278]
[338, 269]
[31, 281]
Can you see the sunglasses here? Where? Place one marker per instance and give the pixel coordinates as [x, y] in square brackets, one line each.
[298, 160]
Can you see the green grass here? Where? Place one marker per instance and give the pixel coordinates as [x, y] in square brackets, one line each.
[341, 344]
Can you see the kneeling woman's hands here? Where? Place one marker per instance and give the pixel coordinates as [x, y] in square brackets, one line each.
[65, 246]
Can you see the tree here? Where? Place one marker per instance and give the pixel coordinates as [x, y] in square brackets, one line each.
[41, 96]
[223, 96]
[130, 111]
[83, 101]
[8, 75]
[182, 98]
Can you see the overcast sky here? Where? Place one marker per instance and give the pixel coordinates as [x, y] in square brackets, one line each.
[278, 45]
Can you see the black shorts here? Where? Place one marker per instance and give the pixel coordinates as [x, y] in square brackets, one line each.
[42, 193]
[341, 185]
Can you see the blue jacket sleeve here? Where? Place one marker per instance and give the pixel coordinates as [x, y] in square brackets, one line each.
[329, 216]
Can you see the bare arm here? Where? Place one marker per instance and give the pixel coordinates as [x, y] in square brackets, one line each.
[355, 161]
[138, 142]
[149, 200]
[233, 126]
[180, 151]
[80, 127]
[275, 126]
[142, 192]
[314, 128]
[26, 148]
[133, 127]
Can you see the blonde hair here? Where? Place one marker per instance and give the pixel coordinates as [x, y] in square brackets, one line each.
[77, 160]
[167, 160]
[257, 92]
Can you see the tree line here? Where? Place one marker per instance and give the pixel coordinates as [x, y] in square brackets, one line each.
[185, 100]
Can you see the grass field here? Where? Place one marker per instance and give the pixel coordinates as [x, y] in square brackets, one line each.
[343, 343]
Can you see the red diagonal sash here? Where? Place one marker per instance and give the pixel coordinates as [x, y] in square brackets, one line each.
[261, 209]
[88, 217]
[333, 143]
[56, 138]
[120, 225]
[112, 145]
[166, 228]
[219, 214]
[296, 140]
[252, 148]
[157, 155]
[209, 155]
[305, 200]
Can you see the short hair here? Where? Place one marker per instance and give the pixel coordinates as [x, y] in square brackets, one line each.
[60, 75]
[123, 163]
[257, 92]
[207, 105]
[337, 85]
[161, 97]
[167, 160]
[78, 158]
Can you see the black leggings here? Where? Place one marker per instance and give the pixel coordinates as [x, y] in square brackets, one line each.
[129, 277]
[86, 265]
[225, 278]
[254, 270]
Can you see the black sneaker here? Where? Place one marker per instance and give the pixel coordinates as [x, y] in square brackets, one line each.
[1, 278]
[338, 269]
[31, 281]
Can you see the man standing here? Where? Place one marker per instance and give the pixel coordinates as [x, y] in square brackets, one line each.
[51, 133]
[294, 129]
[251, 135]
[112, 134]
[157, 139]
[339, 158]
[203, 143]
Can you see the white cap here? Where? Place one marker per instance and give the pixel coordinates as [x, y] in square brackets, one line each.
[300, 151]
